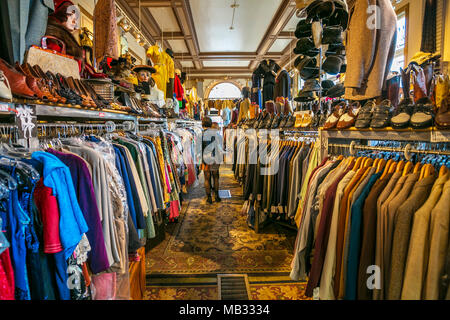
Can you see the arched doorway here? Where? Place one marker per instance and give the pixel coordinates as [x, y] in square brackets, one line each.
[226, 89]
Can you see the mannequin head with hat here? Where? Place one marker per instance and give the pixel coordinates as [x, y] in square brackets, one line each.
[67, 14]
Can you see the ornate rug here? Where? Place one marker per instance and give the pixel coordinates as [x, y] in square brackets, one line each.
[216, 239]
[281, 291]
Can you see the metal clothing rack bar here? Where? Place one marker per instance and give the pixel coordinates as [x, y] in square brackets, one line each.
[407, 150]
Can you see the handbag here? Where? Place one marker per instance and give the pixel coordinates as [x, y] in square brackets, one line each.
[5, 89]
[49, 60]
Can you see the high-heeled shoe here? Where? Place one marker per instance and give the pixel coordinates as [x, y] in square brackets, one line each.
[72, 86]
[84, 92]
[63, 83]
[50, 84]
[62, 91]
[104, 104]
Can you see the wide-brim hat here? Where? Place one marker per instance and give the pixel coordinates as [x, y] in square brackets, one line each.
[303, 29]
[336, 91]
[333, 64]
[319, 9]
[332, 35]
[307, 67]
[142, 67]
[340, 15]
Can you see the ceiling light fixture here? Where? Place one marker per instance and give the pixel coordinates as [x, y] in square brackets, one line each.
[234, 6]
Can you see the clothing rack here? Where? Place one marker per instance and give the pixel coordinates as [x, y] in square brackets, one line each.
[269, 220]
[407, 150]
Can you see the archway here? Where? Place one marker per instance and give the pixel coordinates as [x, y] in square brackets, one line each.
[223, 89]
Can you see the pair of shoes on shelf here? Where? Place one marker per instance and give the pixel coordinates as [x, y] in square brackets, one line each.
[418, 115]
[343, 116]
[374, 116]
[303, 119]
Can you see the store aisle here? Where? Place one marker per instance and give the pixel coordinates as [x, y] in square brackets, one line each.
[214, 239]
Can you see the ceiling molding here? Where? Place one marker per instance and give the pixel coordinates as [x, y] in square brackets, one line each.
[281, 18]
[183, 14]
[229, 56]
[154, 3]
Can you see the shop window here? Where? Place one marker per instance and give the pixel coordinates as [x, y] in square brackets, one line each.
[225, 90]
[402, 36]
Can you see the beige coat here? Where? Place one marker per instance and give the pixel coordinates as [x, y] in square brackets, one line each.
[439, 225]
[417, 261]
[370, 49]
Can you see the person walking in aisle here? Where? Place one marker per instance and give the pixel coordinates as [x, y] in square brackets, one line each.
[212, 158]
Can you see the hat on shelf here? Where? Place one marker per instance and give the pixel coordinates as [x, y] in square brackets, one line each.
[311, 85]
[332, 35]
[327, 84]
[143, 67]
[333, 64]
[339, 16]
[306, 96]
[336, 91]
[169, 52]
[319, 9]
[307, 66]
[303, 29]
[306, 46]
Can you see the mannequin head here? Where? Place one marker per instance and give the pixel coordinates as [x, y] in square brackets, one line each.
[143, 76]
[67, 14]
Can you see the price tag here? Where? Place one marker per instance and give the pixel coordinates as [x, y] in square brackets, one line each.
[440, 136]
[101, 114]
[4, 107]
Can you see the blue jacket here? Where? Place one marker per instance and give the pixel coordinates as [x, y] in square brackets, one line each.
[72, 224]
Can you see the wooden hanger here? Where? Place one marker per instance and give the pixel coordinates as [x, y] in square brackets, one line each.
[375, 163]
[341, 157]
[400, 166]
[358, 163]
[429, 171]
[387, 167]
[393, 167]
[408, 167]
[368, 163]
[381, 165]
[443, 171]
[417, 167]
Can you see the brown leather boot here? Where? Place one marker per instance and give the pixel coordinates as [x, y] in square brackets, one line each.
[17, 81]
[442, 118]
[420, 88]
[32, 83]
[406, 82]
[393, 90]
[428, 70]
[41, 83]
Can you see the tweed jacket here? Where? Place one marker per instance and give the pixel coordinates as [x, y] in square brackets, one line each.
[370, 48]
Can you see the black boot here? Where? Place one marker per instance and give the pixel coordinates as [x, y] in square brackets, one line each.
[217, 198]
[209, 199]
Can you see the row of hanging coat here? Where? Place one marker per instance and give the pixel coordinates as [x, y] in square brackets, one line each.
[375, 226]
[75, 213]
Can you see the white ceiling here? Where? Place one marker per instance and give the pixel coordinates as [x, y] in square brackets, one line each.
[165, 18]
[212, 19]
[292, 24]
[178, 46]
[228, 63]
[187, 64]
[279, 45]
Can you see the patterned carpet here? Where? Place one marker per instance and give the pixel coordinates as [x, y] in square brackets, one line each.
[275, 291]
[211, 239]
